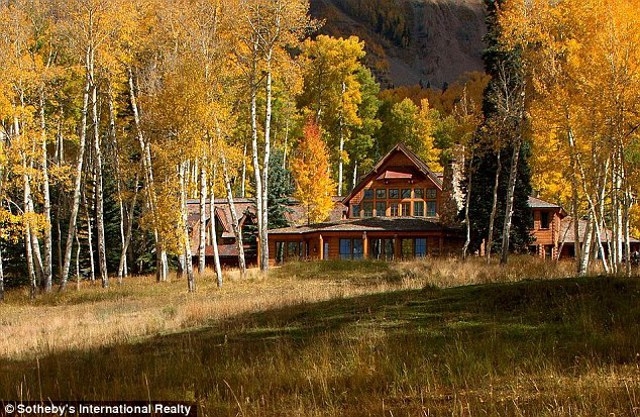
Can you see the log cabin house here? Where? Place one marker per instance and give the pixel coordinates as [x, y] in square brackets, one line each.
[394, 212]
[553, 232]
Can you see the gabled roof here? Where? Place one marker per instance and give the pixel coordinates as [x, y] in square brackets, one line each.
[378, 170]
[535, 202]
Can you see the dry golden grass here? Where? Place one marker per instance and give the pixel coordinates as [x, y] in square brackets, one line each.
[421, 338]
[94, 317]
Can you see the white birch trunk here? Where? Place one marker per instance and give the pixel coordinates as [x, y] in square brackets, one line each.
[92, 264]
[237, 231]
[586, 248]
[494, 207]
[467, 218]
[244, 172]
[77, 186]
[122, 267]
[27, 231]
[506, 228]
[162, 268]
[263, 232]
[47, 267]
[186, 240]
[341, 145]
[256, 164]
[214, 236]
[77, 260]
[99, 195]
[203, 221]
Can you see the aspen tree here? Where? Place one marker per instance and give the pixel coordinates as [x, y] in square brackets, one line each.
[585, 82]
[332, 91]
[267, 28]
[311, 175]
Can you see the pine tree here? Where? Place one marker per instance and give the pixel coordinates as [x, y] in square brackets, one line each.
[501, 142]
[281, 189]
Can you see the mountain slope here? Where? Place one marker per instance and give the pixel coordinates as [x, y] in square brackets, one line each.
[431, 42]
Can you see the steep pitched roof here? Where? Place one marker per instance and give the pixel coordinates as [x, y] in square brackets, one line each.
[377, 170]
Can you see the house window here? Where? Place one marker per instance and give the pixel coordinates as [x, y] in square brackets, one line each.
[418, 193]
[355, 210]
[406, 193]
[431, 193]
[418, 208]
[358, 248]
[294, 250]
[381, 208]
[368, 209]
[544, 220]
[394, 193]
[381, 193]
[345, 248]
[351, 249]
[368, 194]
[421, 247]
[382, 248]
[406, 207]
[431, 208]
[393, 209]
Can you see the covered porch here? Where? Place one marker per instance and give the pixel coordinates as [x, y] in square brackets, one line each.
[372, 238]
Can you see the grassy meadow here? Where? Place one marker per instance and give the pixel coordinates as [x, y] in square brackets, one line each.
[422, 338]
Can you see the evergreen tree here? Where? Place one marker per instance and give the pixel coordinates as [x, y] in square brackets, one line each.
[501, 141]
[280, 190]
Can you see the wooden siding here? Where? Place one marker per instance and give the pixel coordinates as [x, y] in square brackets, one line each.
[437, 244]
[423, 184]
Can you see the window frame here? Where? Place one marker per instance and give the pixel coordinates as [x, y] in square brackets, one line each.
[418, 208]
[428, 211]
[368, 194]
[367, 209]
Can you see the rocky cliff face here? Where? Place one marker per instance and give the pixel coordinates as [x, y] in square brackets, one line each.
[428, 42]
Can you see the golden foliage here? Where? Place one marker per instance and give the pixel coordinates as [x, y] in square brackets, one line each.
[314, 185]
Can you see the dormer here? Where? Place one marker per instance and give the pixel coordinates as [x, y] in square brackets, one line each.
[400, 185]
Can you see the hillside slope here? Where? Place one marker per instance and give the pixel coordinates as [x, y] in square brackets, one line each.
[431, 42]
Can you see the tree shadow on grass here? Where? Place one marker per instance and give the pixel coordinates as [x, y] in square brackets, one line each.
[361, 346]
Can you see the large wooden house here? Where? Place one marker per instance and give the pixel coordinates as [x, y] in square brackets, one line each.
[392, 213]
